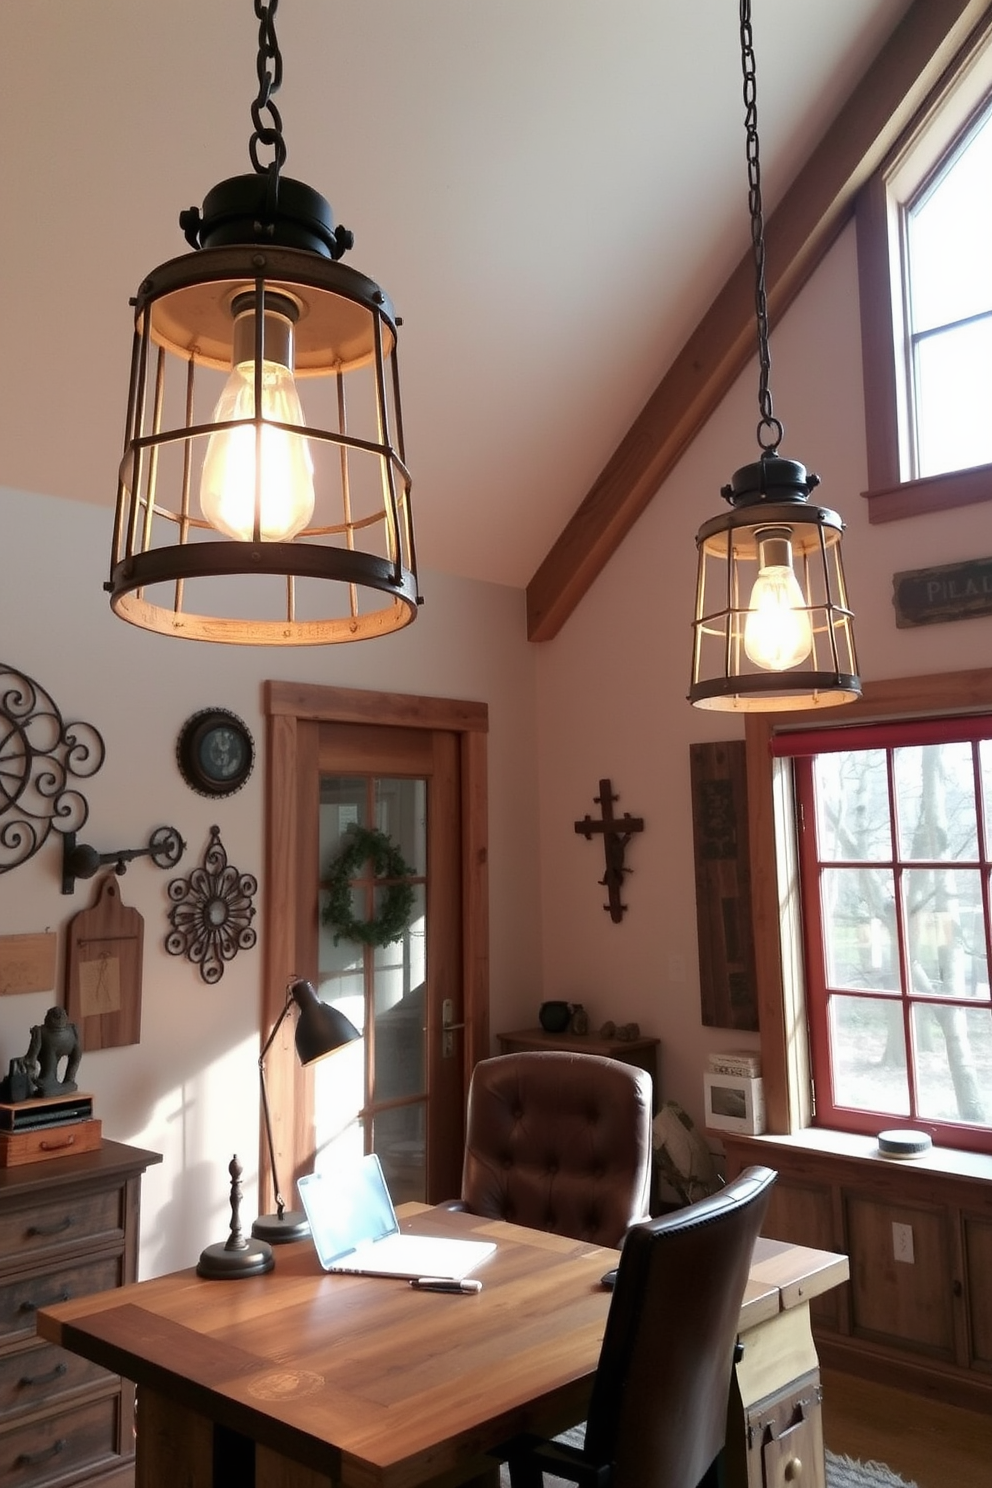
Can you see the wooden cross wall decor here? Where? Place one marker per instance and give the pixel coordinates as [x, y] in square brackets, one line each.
[616, 832]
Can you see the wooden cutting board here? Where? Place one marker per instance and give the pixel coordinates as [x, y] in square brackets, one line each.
[103, 970]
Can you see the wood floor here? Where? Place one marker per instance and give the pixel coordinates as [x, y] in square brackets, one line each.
[933, 1445]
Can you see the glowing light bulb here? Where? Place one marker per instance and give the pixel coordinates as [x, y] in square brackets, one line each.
[777, 632]
[227, 484]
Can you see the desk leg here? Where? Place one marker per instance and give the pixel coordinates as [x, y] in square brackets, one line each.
[173, 1444]
[774, 1424]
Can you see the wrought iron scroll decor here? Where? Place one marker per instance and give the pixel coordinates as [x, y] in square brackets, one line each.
[212, 912]
[39, 754]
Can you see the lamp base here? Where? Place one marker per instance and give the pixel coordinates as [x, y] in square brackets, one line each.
[227, 1262]
[279, 1229]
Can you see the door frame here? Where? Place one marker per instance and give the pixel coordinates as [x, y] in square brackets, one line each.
[293, 712]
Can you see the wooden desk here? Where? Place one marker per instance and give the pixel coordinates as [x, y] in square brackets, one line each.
[364, 1382]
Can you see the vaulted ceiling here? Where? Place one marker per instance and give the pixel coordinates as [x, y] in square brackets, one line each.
[552, 192]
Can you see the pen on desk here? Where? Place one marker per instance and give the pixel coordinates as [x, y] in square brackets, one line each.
[442, 1284]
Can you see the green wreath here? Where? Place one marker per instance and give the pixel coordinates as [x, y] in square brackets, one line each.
[366, 845]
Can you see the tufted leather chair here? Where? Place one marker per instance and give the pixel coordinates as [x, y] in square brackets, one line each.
[561, 1142]
[658, 1412]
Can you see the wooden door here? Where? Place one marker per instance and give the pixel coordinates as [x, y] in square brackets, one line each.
[416, 768]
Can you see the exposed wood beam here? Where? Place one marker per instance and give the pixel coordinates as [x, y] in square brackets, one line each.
[798, 234]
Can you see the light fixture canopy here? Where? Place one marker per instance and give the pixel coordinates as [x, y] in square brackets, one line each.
[772, 628]
[264, 494]
[320, 1030]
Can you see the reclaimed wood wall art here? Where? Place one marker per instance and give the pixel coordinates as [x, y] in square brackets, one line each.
[727, 981]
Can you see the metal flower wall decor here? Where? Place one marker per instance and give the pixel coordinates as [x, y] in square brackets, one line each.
[212, 912]
[38, 754]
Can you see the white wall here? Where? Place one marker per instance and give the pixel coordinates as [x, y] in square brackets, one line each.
[189, 1089]
[612, 685]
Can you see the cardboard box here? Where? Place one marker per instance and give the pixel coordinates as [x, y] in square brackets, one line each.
[734, 1103]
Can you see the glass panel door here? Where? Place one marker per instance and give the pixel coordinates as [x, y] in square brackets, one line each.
[372, 1096]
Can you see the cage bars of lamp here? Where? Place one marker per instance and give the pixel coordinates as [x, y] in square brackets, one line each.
[264, 494]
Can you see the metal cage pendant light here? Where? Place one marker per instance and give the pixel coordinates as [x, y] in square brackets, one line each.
[772, 628]
[264, 495]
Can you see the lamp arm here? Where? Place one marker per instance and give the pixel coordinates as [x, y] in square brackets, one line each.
[280, 1201]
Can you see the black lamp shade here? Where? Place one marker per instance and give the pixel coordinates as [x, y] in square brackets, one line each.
[320, 1028]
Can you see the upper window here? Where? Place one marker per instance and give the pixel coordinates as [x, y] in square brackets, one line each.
[924, 223]
[947, 270]
[895, 848]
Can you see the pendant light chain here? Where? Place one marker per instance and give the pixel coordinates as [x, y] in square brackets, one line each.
[267, 135]
[769, 428]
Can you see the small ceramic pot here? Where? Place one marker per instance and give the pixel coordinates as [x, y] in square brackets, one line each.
[554, 1016]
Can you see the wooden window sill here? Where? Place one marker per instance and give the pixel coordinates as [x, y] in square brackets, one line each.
[934, 493]
[948, 1161]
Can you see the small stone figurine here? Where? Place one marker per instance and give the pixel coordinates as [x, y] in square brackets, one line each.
[37, 1074]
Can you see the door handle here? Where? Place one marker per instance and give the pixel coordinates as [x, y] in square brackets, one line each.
[448, 1028]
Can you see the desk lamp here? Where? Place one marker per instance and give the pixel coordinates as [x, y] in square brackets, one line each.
[320, 1029]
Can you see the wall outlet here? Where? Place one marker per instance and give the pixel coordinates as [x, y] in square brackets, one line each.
[902, 1243]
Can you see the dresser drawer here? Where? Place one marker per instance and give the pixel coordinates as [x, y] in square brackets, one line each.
[20, 1299]
[69, 1442]
[35, 1377]
[69, 1220]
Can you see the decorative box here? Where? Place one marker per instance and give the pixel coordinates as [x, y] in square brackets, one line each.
[734, 1103]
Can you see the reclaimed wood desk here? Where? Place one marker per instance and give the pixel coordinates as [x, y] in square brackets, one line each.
[298, 1379]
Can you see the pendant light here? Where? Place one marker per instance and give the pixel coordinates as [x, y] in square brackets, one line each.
[772, 628]
[264, 495]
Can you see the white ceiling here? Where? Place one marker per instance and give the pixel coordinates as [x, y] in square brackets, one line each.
[550, 191]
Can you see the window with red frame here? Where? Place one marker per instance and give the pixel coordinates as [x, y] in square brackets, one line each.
[895, 851]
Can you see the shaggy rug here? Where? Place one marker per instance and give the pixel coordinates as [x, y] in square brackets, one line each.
[842, 1472]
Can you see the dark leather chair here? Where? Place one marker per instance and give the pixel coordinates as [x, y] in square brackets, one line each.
[658, 1413]
[559, 1141]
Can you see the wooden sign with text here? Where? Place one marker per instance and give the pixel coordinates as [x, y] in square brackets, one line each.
[27, 963]
[952, 591]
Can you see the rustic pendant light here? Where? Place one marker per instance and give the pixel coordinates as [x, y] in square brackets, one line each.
[772, 629]
[264, 497]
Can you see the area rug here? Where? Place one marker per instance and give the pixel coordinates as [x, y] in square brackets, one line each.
[845, 1472]
[842, 1472]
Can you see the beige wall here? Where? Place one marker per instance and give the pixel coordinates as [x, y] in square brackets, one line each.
[611, 687]
[189, 1089]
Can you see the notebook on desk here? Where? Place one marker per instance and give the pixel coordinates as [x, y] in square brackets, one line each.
[355, 1229]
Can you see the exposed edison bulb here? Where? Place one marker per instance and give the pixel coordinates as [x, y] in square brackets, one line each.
[227, 484]
[777, 632]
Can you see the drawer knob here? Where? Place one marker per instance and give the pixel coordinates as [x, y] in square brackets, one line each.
[29, 1459]
[29, 1306]
[55, 1229]
[26, 1381]
[793, 1470]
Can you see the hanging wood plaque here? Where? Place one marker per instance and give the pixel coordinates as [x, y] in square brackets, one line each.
[103, 970]
[727, 981]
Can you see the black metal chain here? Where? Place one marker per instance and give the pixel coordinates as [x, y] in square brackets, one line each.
[769, 428]
[268, 135]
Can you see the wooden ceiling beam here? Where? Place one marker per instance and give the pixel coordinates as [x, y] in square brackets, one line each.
[798, 235]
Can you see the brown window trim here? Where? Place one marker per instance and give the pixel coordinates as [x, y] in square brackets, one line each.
[774, 877]
[891, 498]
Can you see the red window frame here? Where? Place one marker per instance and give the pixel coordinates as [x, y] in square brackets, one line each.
[887, 736]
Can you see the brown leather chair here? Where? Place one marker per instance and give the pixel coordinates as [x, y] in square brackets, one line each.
[658, 1413]
[560, 1142]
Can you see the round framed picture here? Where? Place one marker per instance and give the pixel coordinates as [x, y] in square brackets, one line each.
[215, 751]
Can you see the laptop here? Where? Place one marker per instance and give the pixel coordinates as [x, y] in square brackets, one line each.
[356, 1232]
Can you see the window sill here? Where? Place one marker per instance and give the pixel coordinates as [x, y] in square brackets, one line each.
[934, 493]
[948, 1161]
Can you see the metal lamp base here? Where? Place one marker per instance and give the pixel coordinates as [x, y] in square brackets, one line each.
[224, 1261]
[279, 1229]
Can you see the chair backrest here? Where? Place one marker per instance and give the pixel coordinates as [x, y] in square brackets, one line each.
[561, 1142]
[659, 1403]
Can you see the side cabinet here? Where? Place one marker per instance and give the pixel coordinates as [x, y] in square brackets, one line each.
[918, 1308]
[68, 1226]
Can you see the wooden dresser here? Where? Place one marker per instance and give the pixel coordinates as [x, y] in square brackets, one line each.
[68, 1227]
